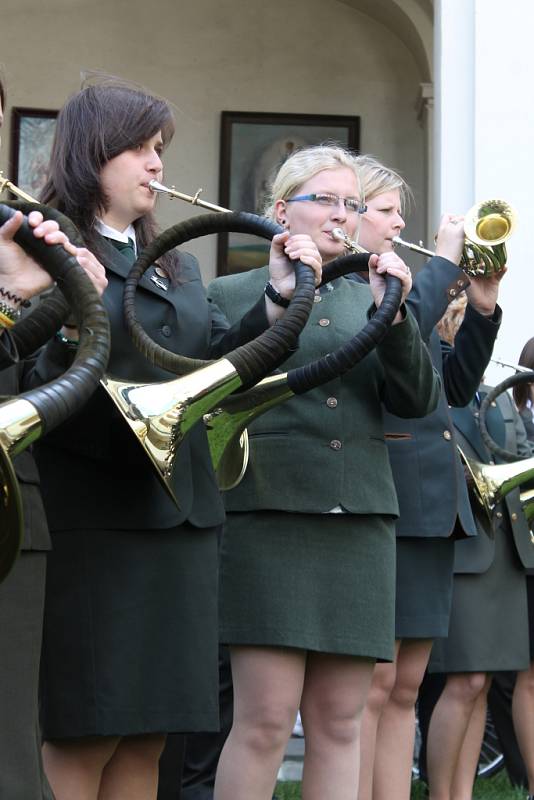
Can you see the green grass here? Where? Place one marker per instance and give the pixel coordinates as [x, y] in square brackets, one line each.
[496, 788]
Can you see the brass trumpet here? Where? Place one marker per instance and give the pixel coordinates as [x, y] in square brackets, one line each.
[488, 225]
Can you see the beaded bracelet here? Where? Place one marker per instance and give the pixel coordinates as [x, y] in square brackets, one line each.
[8, 311]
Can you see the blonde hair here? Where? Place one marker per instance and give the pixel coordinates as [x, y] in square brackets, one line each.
[377, 179]
[373, 177]
[303, 165]
[450, 322]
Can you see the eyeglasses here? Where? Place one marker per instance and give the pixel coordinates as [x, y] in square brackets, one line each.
[327, 199]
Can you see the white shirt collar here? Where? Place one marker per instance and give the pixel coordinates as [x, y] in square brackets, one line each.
[119, 236]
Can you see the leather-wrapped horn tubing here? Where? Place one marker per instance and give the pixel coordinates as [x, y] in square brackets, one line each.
[254, 359]
[36, 328]
[309, 376]
[513, 380]
[355, 262]
[55, 401]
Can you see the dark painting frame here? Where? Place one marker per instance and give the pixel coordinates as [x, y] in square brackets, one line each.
[253, 146]
[32, 131]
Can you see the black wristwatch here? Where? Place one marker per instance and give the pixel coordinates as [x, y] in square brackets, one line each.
[275, 296]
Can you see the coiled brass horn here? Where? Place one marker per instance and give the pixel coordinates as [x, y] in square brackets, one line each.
[28, 416]
[226, 422]
[493, 482]
[161, 414]
[488, 225]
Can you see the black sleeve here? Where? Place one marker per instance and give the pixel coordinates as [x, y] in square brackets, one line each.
[465, 363]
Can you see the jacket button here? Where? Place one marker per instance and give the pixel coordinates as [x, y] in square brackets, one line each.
[324, 322]
[460, 282]
[317, 298]
[514, 516]
[476, 414]
[499, 514]
[452, 292]
[335, 444]
[331, 402]
[166, 330]
[447, 435]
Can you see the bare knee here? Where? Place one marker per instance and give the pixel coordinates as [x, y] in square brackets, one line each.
[339, 730]
[405, 691]
[525, 681]
[267, 730]
[467, 687]
[382, 685]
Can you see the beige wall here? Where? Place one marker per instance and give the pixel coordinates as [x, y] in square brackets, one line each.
[303, 56]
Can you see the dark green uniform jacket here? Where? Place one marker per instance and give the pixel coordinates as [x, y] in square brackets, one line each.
[326, 448]
[95, 474]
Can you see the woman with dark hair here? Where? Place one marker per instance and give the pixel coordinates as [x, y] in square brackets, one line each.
[130, 641]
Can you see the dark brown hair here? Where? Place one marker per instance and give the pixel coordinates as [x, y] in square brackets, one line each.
[95, 125]
[526, 359]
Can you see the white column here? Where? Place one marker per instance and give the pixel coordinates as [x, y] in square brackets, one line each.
[454, 106]
[504, 126]
[484, 125]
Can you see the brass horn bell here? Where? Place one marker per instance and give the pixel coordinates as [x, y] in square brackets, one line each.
[160, 414]
[492, 482]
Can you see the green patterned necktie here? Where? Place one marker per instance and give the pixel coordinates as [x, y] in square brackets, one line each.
[126, 249]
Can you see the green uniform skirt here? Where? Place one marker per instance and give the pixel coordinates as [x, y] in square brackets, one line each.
[321, 582]
[130, 643]
[424, 587]
[489, 620]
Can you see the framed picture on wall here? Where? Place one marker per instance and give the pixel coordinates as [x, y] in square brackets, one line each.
[253, 147]
[32, 132]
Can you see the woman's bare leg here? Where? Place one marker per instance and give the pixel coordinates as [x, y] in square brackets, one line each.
[447, 729]
[132, 772]
[392, 775]
[74, 767]
[523, 714]
[268, 685]
[382, 685]
[335, 690]
[466, 770]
